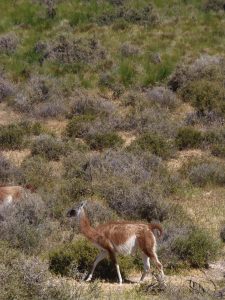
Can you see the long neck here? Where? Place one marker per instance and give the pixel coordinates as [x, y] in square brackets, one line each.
[85, 226]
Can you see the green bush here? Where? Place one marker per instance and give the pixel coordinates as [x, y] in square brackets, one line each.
[152, 143]
[76, 188]
[30, 128]
[48, 147]
[37, 171]
[78, 126]
[11, 137]
[197, 249]
[218, 150]
[81, 254]
[205, 95]
[104, 140]
[188, 137]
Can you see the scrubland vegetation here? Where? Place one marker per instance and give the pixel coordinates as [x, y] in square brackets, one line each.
[135, 90]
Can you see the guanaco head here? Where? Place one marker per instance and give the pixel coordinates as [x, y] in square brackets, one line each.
[73, 212]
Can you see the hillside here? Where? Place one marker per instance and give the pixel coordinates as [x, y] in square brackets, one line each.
[120, 103]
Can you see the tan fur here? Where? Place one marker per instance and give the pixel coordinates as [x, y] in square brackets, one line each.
[122, 237]
[14, 191]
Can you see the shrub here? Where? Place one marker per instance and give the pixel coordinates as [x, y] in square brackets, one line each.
[25, 225]
[83, 104]
[197, 248]
[48, 147]
[208, 119]
[218, 150]
[128, 49]
[75, 164]
[205, 95]
[163, 97]
[11, 137]
[206, 66]
[203, 173]
[112, 163]
[188, 137]
[105, 140]
[37, 171]
[6, 88]
[8, 172]
[79, 126]
[215, 5]
[142, 15]
[134, 201]
[76, 188]
[81, 255]
[8, 43]
[52, 109]
[154, 120]
[68, 50]
[152, 143]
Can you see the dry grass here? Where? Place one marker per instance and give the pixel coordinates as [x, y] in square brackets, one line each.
[128, 137]
[16, 156]
[183, 157]
[206, 207]
[55, 126]
[7, 116]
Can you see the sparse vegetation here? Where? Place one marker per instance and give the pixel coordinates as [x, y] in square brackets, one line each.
[188, 137]
[11, 137]
[197, 248]
[48, 147]
[105, 140]
[120, 103]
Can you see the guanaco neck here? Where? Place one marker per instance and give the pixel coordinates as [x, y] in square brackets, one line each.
[85, 226]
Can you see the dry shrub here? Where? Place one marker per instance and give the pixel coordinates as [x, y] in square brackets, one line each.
[41, 97]
[68, 50]
[84, 104]
[123, 164]
[145, 15]
[132, 185]
[37, 171]
[205, 172]
[163, 96]
[154, 120]
[7, 89]
[127, 49]
[8, 172]
[133, 201]
[47, 146]
[8, 43]
[26, 225]
[205, 66]
[210, 119]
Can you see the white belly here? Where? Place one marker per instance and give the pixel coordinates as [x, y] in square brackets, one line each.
[127, 248]
[7, 202]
